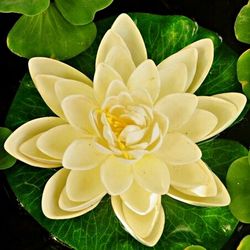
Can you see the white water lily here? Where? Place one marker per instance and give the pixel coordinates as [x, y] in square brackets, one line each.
[132, 133]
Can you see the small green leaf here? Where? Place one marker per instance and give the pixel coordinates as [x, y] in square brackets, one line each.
[79, 12]
[238, 179]
[242, 24]
[6, 160]
[243, 72]
[49, 34]
[26, 7]
[195, 247]
[245, 243]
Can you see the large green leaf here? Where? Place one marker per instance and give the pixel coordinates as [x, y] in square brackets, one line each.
[27, 7]
[185, 224]
[81, 12]
[100, 229]
[6, 160]
[242, 24]
[49, 34]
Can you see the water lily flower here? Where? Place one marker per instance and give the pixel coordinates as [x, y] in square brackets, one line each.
[131, 133]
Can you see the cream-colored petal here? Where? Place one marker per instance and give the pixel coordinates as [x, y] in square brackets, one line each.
[162, 122]
[147, 229]
[126, 28]
[55, 141]
[116, 175]
[152, 174]
[131, 134]
[66, 87]
[29, 148]
[121, 61]
[193, 179]
[51, 196]
[45, 85]
[178, 108]
[116, 87]
[82, 155]
[104, 75]
[77, 109]
[73, 206]
[139, 200]
[205, 50]
[109, 40]
[188, 56]
[173, 79]
[26, 132]
[146, 76]
[49, 66]
[238, 99]
[141, 225]
[225, 111]
[141, 96]
[201, 123]
[86, 185]
[178, 149]
[222, 197]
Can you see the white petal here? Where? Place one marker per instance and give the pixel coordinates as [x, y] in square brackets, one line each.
[126, 28]
[238, 99]
[188, 56]
[200, 181]
[115, 88]
[141, 96]
[82, 155]
[177, 149]
[131, 134]
[173, 79]
[152, 174]
[116, 175]
[48, 66]
[162, 122]
[109, 40]
[225, 111]
[26, 132]
[146, 77]
[29, 148]
[86, 185]
[104, 75]
[201, 123]
[178, 108]
[51, 195]
[45, 84]
[221, 199]
[147, 229]
[77, 109]
[65, 87]
[205, 50]
[55, 141]
[139, 200]
[121, 61]
[72, 206]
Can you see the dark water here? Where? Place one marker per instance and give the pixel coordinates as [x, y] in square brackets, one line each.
[19, 230]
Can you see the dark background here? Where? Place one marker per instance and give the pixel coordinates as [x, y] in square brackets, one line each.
[19, 231]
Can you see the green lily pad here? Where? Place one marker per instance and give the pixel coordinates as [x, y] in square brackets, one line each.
[6, 160]
[49, 34]
[242, 24]
[100, 229]
[243, 72]
[79, 12]
[238, 178]
[195, 247]
[27, 7]
[245, 243]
